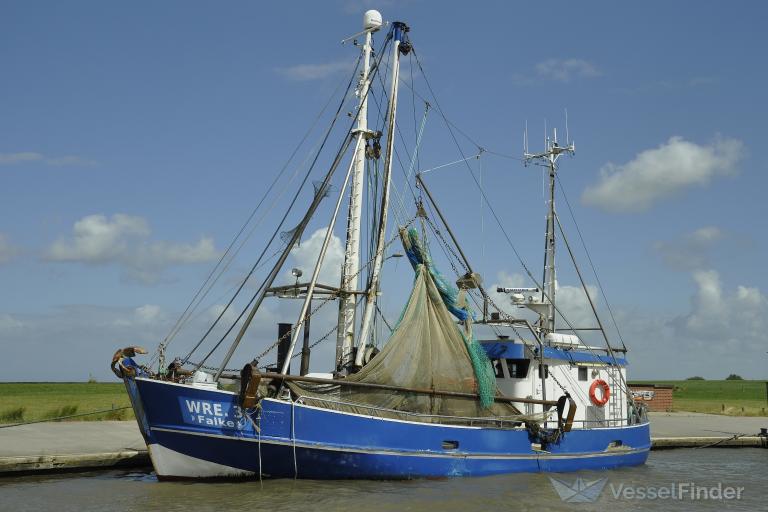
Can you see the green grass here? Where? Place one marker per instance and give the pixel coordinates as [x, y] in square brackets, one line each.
[13, 415]
[29, 401]
[731, 397]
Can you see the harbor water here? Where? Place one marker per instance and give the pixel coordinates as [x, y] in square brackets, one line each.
[689, 479]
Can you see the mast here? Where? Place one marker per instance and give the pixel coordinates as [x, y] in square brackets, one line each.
[350, 279]
[549, 160]
[400, 44]
[303, 316]
[264, 288]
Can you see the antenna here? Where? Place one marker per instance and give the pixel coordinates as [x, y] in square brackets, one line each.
[525, 140]
[567, 138]
[548, 160]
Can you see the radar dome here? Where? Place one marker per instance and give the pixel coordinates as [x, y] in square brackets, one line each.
[372, 20]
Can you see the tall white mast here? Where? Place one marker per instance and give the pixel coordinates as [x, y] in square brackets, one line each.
[350, 280]
[549, 160]
[399, 44]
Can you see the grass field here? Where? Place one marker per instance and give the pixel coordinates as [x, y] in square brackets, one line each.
[731, 397]
[25, 401]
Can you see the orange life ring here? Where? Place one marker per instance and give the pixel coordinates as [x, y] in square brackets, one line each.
[606, 392]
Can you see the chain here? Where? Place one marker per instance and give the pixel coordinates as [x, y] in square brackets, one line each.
[447, 246]
[551, 374]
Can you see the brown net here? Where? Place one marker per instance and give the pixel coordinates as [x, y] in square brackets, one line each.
[426, 351]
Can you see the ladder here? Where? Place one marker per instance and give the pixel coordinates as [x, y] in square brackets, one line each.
[615, 414]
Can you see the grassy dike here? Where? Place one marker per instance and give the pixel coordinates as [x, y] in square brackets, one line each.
[30, 401]
[729, 397]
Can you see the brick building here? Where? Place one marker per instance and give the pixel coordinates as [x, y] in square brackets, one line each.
[656, 397]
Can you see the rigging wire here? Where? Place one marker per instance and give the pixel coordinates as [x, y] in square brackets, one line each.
[342, 148]
[413, 105]
[399, 133]
[450, 164]
[490, 206]
[482, 216]
[275, 233]
[319, 305]
[190, 309]
[233, 287]
[591, 264]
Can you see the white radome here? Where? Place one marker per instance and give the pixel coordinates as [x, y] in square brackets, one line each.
[372, 20]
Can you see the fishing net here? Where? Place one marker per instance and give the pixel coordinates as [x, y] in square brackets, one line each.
[428, 351]
[419, 255]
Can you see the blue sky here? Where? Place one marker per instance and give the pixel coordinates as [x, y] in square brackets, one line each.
[135, 138]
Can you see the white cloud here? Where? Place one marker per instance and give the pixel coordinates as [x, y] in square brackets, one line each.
[148, 313]
[28, 156]
[91, 334]
[82, 337]
[707, 234]
[97, 239]
[661, 172]
[124, 240]
[305, 256]
[690, 251]
[573, 303]
[214, 311]
[557, 70]
[9, 322]
[565, 70]
[720, 320]
[7, 250]
[307, 72]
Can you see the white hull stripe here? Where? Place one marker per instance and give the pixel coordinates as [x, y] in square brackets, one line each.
[298, 444]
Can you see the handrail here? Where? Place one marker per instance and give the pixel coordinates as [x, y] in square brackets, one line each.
[421, 391]
[471, 420]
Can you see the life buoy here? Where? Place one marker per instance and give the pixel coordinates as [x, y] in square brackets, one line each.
[606, 392]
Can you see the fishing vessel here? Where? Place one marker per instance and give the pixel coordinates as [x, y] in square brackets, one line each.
[433, 397]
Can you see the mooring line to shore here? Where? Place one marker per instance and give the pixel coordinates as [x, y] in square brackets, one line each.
[58, 418]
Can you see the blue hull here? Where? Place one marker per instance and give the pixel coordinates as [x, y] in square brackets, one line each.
[198, 433]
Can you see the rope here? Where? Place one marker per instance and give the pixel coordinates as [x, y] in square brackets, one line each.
[57, 418]
[261, 472]
[293, 439]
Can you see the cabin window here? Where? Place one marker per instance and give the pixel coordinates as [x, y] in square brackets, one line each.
[518, 368]
[543, 371]
[583, 373]
[497, 368]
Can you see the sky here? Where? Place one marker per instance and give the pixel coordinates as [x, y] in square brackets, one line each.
[136, 138]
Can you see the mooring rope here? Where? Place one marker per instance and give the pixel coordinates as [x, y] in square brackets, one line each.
[58, 418]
